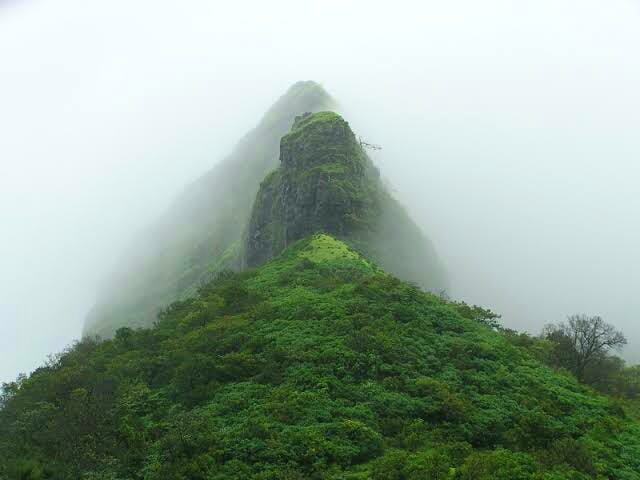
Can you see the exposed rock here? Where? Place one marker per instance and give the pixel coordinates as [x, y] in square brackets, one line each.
[326, 183]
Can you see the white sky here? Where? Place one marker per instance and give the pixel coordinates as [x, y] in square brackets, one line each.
[511, 129]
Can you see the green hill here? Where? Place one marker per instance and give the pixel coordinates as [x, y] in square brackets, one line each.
[320, 357]
[327, 183]
[317, 365]
[203, 232]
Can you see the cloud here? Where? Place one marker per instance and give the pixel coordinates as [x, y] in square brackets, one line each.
[509, 129]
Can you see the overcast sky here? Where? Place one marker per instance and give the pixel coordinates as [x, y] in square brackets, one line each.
[511, 129]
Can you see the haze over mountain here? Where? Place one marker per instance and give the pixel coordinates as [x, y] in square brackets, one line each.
[515, 150]
[200, 233]
[216, 224]
[314, 362]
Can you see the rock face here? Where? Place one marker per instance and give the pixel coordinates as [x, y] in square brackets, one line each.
[327, 183]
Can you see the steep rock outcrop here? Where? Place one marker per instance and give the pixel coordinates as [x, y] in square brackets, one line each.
[327, 183]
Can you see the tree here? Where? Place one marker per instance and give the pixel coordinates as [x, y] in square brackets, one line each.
[629, 382]
[582, 341]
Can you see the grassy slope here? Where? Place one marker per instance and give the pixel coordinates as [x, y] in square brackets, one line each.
[316, 365]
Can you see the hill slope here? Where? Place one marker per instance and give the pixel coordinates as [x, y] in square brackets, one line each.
[201, 233]
[316, 365]
[327, 183]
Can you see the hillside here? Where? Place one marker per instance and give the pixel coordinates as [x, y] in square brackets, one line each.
[327, 183]
[206, 230]
[289, 334]
[201, 232]
[317, 365]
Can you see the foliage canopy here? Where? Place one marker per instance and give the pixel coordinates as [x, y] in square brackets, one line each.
[316, 365]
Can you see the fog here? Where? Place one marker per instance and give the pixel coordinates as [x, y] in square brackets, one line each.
[511, 131]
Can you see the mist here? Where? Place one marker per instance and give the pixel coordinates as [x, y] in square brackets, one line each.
[511, 132]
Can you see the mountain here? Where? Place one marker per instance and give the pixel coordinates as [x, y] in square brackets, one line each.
[327, 183]
[203, 232]
[316, 365]
[299, 343]
[200, 233]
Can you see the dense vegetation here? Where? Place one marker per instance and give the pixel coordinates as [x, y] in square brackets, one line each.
[317, 365]
[585, 346]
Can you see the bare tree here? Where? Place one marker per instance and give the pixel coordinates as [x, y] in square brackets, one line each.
[582, 340]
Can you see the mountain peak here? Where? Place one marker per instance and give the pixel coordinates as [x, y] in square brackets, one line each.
[303, 96]
[309, 118]
[326, 183]
[319, 138]
[201, 232]
[322, 185]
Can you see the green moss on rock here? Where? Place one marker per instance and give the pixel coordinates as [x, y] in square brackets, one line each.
[327, 183]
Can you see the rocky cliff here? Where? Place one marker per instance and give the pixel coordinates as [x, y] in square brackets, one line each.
[327, 183]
